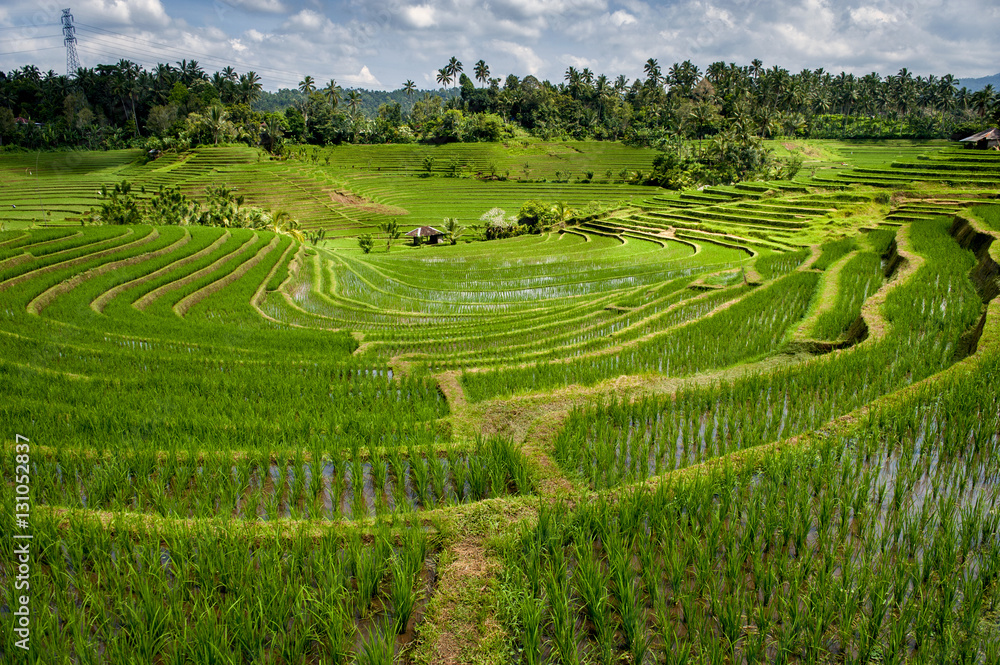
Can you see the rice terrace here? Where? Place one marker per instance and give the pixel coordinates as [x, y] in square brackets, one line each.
[619, 406]
[662, 429]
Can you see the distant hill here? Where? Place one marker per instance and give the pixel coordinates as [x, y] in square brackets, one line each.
[980, 83]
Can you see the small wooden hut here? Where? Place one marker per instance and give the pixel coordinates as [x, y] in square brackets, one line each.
[432, 234]
[984, 140]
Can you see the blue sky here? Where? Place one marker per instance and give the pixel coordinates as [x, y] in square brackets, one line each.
[381, 43]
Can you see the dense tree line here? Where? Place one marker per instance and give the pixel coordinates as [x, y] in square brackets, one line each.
[180, 105]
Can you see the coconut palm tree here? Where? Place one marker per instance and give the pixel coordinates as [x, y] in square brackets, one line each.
[454, 68]
[216, 121]
[982, 100]
[452, 229]
[443, 77]
[283, 223]
[653, 72]
[249, 87]
[482, 72]
[354, 101]
[272, 132]
[409, 88]
[391, 230]
[190, 71]
[562, 213]
[332, 92]
[307, 85]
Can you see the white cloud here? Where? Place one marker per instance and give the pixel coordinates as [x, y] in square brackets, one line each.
[420, 16]
[307, 20]
[621, 17]
[524, 55]
[579, 63]
[528, 8]
[403, 39]
[135, 13]
[871, 16]
[717, 14]
[264, 6]
[364, 78]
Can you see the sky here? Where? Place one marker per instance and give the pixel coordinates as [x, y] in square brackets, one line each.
[379, 44]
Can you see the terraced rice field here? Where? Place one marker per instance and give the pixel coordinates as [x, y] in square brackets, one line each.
[344, 189]
[748, 424]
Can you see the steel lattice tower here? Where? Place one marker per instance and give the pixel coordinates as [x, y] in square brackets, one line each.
[69, 39]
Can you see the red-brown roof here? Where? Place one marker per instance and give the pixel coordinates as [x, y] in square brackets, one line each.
[422, 231]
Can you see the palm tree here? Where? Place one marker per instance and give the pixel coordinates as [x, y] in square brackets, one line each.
[124, 85]
[332, 92]
[307, 85]
[653, 72]
[190, 71]
[562, 212]
[216, 121]
[223, 86]
[452, 229]
[454, 68]
[283, 223]
[982, 100]
[230, 74]
[272, 132]
[482, 71]
[354, 101]
[165, 76]
[409, 88]
[443, 77]
[572, 82]
[249, 87]
[391, 230]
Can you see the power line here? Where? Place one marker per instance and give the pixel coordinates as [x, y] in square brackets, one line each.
[27, 26]
[31, 50]
[28, 39]
[187, 53]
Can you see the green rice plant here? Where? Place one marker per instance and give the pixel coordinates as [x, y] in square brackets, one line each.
[379, 648]
[633, 615]
[561, 617]
[479, 478]
[370, 565]
[438, 475]
[833, 251]
[421, 478]
[530, 613]
[774, 265]
[990, 214]
[859, 279]
[459, 473]
[402, 592]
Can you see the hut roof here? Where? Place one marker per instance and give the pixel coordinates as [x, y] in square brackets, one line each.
[988, 135]
[422, 231]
